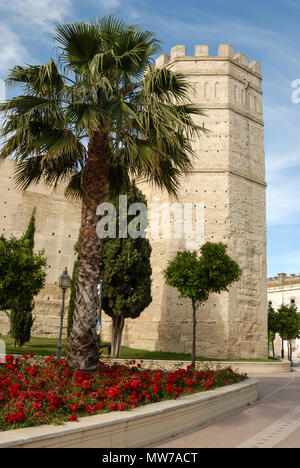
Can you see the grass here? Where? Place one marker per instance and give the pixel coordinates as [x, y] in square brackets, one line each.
[48, 346]
[39, 346]
[130, 353]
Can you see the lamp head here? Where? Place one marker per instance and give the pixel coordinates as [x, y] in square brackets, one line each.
[65, 280]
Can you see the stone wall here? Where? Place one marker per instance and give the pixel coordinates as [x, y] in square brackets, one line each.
[57, 228]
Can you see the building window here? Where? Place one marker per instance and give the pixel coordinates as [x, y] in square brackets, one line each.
[270, 303]
[293, 301]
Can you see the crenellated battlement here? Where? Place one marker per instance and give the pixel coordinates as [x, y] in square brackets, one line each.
[225, 52]
[283, 279]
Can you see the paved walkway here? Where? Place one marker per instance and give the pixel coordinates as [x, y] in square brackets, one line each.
[272, 422]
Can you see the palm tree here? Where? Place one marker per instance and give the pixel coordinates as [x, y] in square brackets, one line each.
[98, 116]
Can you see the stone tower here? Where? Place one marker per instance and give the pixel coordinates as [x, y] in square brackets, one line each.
[229, 179]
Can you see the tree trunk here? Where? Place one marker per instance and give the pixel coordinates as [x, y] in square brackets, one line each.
[117, 333]
[194, 332]
[83, 349]
[290, 350]
[273, 348]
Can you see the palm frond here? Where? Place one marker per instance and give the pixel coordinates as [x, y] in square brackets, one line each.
[38, 80]
[50, 172]
[165, 85]
[83, 114]
[79, 43]
[74, 187]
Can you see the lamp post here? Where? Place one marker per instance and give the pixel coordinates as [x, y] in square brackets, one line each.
[64, 284]
[99, 321]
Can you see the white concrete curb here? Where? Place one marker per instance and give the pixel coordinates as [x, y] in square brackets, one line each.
[140, 427]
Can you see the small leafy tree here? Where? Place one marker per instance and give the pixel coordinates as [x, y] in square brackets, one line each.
[126, 272]
[273, 326]
[289, 325]
[197, 277]
[22, 276]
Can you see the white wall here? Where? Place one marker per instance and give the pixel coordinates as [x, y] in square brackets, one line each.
[284, 294]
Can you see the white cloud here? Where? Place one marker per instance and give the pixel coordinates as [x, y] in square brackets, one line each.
[12, 50]
[27, 22]
[38, 12]
[277, 162]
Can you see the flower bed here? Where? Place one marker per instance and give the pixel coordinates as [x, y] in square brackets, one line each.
[49, 393]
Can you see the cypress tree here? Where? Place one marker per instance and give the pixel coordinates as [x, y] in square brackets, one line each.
[126, 272]
[30, 231]
[21, 321]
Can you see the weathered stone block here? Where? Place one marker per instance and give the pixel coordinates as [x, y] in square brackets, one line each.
[162, 60]
[225, 50]
[202, 50]
[178, 51]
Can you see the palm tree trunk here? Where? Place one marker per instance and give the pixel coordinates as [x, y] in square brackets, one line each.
[83, 349]
[117, 333]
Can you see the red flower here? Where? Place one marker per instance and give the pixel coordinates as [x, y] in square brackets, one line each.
[90, 409]
[114, 392]
[99, 406]
[122, 406]
[85, 385]
[37, 405]
[72, 418]
[112, 405]
[12, 418]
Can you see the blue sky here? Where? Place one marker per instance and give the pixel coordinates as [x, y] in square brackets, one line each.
[265, 30]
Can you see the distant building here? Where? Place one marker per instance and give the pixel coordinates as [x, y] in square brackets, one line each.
[284, 289]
